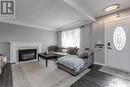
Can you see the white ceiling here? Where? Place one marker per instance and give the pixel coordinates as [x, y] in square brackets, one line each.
[55, 14]
[95, 7]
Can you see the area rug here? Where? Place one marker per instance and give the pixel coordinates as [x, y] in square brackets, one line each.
[115, 72]
[36, 74]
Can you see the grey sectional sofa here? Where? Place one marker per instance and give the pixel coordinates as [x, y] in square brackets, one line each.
[72, 72]
[90, 60]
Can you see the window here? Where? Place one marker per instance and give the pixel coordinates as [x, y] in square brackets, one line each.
[71, 38]
[119, 38]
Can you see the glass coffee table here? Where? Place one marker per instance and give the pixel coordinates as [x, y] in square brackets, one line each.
[47, 57]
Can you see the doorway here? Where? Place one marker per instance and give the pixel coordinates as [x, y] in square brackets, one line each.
[118, 44]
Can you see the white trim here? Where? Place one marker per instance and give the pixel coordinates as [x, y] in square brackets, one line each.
[106, 22]
[99, 63]
[105, 43]
[15, 46]
[73, 25]
[25, 61]
[118, 18]
[27, 25]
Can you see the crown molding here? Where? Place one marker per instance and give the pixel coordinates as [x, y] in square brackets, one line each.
[71, 25]
[74, 25]
[27, 25]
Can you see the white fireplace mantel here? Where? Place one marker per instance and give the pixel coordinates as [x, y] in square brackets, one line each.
[15, 46]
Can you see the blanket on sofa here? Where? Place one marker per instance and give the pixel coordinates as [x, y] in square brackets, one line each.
[72, 62]
[3, 61]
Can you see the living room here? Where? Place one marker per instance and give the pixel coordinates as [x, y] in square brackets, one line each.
[66, 43]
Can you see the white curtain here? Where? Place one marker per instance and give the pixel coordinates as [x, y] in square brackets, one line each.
[71, 38]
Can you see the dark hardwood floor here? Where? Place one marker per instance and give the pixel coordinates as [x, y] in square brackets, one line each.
[96, 78]
[6, 76]
[95, 67]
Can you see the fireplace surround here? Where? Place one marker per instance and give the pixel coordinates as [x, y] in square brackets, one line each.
[16, 46]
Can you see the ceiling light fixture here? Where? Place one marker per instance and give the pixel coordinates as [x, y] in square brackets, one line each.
[111, 7]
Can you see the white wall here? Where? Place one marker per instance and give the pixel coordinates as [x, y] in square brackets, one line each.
[11, 32]
[98, 32]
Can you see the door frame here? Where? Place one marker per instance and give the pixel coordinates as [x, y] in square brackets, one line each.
[105, 32]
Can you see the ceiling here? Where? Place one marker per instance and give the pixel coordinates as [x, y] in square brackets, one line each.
[58, 14]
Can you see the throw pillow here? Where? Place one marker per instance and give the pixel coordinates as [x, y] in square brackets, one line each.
[72, 50]
[52, 48]
[80, 50]
[64, 50]
[83, 54]
[86, 49]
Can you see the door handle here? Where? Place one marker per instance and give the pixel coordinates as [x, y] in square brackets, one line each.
[109, 48]
[109, 45]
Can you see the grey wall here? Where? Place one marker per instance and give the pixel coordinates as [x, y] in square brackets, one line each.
[99, 35]
[98, 32]
[11, 32]
[85, 38]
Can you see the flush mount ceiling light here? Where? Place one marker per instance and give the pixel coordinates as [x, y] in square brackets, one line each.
[111, 7]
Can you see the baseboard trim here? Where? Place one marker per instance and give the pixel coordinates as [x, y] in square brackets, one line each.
[99, 63]
[12, 63]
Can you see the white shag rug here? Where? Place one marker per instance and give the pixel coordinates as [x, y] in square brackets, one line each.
[36, 74]
[115, 72]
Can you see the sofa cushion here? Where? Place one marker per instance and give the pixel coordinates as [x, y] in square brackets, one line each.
[54, 48]
[72, 50]
[64, 50]
[60, 54]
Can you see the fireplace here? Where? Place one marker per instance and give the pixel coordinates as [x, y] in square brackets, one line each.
[27, 54]
[16, 46]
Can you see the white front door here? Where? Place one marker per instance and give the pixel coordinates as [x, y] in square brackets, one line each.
[118, 44]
